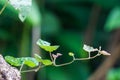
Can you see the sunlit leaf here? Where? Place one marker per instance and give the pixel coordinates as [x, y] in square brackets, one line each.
[47, 62]
[13, 61]
[49, 48]
[89, 48]
[29, 61]
[38, 58]
[23, 6]
[41, 42]
[46, 46]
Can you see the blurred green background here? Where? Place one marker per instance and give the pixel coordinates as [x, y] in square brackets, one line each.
[70, 24]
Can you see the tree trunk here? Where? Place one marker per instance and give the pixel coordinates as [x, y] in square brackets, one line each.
[8, 72]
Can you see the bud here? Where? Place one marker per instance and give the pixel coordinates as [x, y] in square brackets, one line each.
[71, 54]
[104, 53]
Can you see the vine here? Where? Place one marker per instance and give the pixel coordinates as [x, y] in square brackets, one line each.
[38, 62]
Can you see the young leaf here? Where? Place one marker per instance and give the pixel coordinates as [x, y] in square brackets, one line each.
[13, 61]
[41, 42]
[23, 6]
[57, 55]
[29, 61]
[49, 48]
[46, 62]
[89, 48]
[38, 58]
[104, 53]
[46, 46]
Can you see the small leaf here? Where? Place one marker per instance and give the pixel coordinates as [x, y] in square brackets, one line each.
[13, 61]
[38, 58]
[49, 48]
[23, 6]
[104, 53]
[46, 62]
[57, 55]
[89, 48]
[54, 56]
[46, 45]
[41, 42]
[29, 61]
[71, 54]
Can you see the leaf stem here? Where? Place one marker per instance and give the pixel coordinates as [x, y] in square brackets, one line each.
[3, 8]
[74, 59]
[54, 63]
[21, 66]
[33, 70]
[51, 56]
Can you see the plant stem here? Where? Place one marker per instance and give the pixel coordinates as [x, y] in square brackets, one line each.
[76, 59]
[89, 54]
[51, 56]
[3, 8]
[33, 70]
[54, 63]
[21, 66]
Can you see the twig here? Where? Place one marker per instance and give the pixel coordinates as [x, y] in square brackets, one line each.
[33, 70]
[74, 59]
[3, 8]
[51, 56]
[21, 66]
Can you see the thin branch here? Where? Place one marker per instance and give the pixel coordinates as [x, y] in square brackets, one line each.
[87, 58]
[64, 64]
[33, 70]
[21, 66]
[75, 59]
[51, 56]
[3, 8]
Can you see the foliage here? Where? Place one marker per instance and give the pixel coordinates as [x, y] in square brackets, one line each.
[113, 21]
[34, 62]
[31, 62]
[24, 7]
[64, 22]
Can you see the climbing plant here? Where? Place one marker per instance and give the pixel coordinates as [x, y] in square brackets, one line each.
[39, 62]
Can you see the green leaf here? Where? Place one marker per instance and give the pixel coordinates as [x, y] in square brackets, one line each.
[113, 21]
[38, 58]
[47, 62]
[23, 6]
[46, 46]
[89, 48]
[49, 48]
[13, 61]
[41, 42]
[29, 61]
